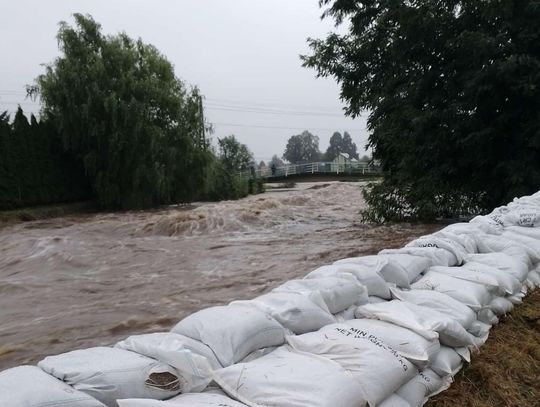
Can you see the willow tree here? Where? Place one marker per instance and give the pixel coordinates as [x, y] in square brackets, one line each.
[121, 110]
[453, 91]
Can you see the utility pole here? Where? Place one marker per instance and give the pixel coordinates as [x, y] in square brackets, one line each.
[203, 133]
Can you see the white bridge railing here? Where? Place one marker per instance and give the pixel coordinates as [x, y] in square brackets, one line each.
[312, 168]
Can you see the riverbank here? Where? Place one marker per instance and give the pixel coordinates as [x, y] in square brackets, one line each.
[44, 212]
[506, 371]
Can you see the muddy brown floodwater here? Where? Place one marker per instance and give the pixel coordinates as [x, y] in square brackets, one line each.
[89, 280]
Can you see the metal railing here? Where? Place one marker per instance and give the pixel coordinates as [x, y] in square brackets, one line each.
[329, 168]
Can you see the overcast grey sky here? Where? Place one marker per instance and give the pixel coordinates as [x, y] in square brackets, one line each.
[242, 54]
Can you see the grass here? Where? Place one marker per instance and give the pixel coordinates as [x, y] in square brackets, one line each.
[506, 371]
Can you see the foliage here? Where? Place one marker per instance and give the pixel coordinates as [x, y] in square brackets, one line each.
[34, 169]
[302, 148]
[453, 88]
[121, 111]
[234, 155]
[276, 161]
[341, 144]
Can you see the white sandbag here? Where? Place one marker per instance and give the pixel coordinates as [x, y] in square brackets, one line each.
[286, 378]
[533, 233]
[516, 268]
[450, 245]
[427, 322]
[299, 312]
[533, 278]
[500, 306]
[345, 315]
[438, 302]
[487, 316]
[398, 268]
[523, 217]
[29, 386]
[193, 359]
[185, 400]
[513, 248]
[414, 347]
[515, 299]
[108, 374]
[466, 241]
[425, 384]
[394, 401]
[373, 299]
[367, 358]
[366, 275]
[474, 275]
[480, 330]
[530, 244]
[438, 257]
[339, 292]
[507, 283]
[490, 224]
[232, 332]
[448, 361]
[475, 295]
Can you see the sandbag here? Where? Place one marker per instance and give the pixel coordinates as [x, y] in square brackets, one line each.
[414, 347]
[365, 357]
[108, 374]
[514, 267]
[299, 312]
[523, 217]
[339, 292]
[29, 386]
[452, 246]
[185, 400]
[473, 274]
[437, 257]
[193, 359]
[533, 279]
[490, 224]
[513, 248]
[373, 299]
[438, 302]
[286, 378]
[530, 244]
[394, 401]
[427, 322]
[344, 315]
[367, 276]
[424, 385]
[399, 268]
[467, 241]
[487, 316]
[475, 295]
[515, 299]
[500, 306]
[507, 283]
[449, 361]
[232, 332]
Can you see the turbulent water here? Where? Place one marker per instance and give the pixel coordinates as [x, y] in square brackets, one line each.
[88, 280]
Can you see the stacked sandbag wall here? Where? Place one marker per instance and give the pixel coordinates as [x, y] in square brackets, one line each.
[385, 330]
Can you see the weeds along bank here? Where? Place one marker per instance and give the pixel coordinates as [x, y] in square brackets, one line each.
[386, 330]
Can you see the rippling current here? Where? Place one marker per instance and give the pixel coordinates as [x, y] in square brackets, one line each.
[88, 280]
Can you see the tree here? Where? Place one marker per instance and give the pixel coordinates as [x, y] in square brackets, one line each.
[234, 155]
[276, 161]
[302, 148]
[123, 113]
[453, 90]
[339, 144]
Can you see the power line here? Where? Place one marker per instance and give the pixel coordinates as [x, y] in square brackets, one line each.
[278, 127]
[272, 111]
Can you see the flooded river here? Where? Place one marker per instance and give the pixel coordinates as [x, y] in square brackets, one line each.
[88, 280]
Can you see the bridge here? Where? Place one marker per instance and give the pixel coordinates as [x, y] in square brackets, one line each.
[325, 169]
